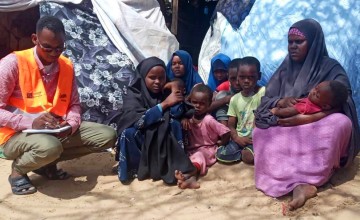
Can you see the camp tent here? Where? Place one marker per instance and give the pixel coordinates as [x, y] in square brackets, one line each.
[106, 39]
[263, 34]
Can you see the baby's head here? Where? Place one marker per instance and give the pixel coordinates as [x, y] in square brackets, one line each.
[201, 98]
[329, 94]
[180, 84]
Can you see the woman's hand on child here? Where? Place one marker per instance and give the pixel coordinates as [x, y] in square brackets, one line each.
[286, 102]
[274, 110]
[172, 99]
[301, 119]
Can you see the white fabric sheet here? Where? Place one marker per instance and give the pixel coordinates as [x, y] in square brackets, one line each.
[263, 34]
[20, 5]
[136, 27]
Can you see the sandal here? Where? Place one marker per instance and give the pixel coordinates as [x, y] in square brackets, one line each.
[21, 185]
[52, 173]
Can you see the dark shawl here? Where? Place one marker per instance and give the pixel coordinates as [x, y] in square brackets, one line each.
[160, 153]
[191, 76]
[294, 80]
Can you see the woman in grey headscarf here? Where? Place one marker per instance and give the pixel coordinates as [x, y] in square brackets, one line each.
[300, 153]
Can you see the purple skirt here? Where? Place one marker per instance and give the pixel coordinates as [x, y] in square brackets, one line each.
[289, 156]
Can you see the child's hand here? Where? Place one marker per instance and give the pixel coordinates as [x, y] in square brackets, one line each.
[185, 123]
[274, 110]
[243, 141]
[220, 143]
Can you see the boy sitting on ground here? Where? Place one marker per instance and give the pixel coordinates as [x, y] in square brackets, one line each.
[241, 116]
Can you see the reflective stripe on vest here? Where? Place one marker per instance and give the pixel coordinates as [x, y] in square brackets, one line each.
[34, 97]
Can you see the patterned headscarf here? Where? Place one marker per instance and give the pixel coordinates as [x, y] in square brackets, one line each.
[297, 32]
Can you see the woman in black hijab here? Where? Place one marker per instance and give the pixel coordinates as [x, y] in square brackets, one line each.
[300, 153]
[150, 145]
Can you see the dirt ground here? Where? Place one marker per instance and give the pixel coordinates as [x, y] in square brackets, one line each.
[227, 192]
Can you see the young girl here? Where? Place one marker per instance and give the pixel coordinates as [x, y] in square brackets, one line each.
[205, 135]
[150, 144]
[219, 70]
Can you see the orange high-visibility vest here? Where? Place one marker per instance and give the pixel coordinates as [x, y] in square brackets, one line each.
[34, 97]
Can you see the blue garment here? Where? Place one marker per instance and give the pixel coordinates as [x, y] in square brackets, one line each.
[131, 139]
[212, 82]
[191, 76]
[235, 11]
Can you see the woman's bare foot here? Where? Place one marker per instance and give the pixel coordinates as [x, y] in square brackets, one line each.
[301, 194]
[186, 181]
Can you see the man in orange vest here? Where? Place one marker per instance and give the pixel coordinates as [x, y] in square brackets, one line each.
[38, 91]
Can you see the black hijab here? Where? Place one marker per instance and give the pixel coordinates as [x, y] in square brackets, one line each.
[292, 80]
[160, 153]
[138, 98]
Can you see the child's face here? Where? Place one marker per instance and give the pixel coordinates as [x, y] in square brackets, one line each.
[321, 95]
[201, 103]
[220, 75]
[234, 83]
[155, 79]
[181, 87]
[248, 75]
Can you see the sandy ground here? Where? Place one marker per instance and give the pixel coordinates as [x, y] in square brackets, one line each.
[227, 192]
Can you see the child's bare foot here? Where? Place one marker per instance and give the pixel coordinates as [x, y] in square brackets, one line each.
[186, 181]
[179, 175]
[247, 156]
[189, 183]
[301, 193]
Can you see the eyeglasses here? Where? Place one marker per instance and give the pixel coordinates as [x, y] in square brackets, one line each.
[51, 49]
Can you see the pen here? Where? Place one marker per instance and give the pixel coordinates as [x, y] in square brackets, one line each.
[43, 107]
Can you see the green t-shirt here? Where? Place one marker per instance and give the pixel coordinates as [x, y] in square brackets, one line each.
[2, 153]
[242, 108]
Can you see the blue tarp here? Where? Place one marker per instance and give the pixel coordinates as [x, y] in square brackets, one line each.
[263, 34]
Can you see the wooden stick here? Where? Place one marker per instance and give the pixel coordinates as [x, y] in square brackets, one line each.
[174, 20]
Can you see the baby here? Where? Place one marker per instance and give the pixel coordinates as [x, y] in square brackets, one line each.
[325, 96]
[183, 109]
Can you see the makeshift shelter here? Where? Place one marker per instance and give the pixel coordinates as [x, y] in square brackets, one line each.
[263, 34]
[105, 39]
